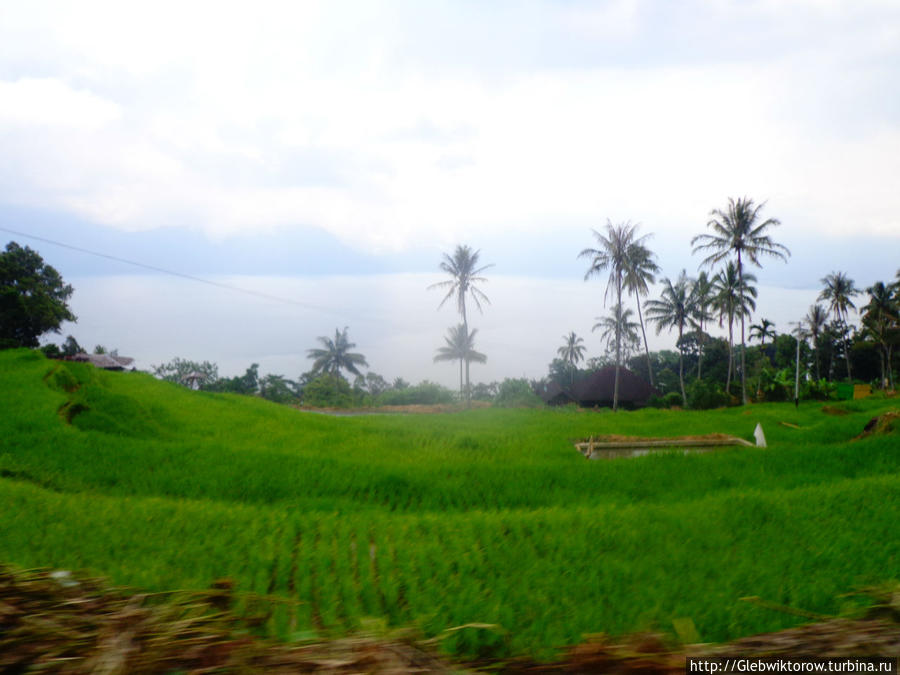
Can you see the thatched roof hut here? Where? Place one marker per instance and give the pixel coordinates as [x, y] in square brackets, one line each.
[105, 361]
[553, 394]
[597, 389]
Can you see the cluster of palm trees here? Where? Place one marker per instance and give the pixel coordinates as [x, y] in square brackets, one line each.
[631, 269]
[880, 319]
[739, 235]
[464, 271]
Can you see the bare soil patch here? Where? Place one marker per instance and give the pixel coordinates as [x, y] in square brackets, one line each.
[883, 424]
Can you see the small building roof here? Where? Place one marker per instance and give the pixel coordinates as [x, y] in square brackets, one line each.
[597, 389]
[107, 361]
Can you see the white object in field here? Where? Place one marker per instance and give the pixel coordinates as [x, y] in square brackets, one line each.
[759, 436]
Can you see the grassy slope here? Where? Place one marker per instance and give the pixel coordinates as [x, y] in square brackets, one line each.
[484, 516]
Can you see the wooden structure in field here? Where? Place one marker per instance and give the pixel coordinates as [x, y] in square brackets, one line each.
[605, 447]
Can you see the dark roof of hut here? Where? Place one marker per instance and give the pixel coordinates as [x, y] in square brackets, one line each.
[599, 386]
[553, 394]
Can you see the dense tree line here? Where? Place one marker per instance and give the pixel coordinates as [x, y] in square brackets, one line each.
[823, 345]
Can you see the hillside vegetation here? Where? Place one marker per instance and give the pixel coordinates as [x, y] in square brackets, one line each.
[487, 516]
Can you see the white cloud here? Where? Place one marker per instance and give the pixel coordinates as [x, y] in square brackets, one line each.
[195, 114]
[37, 103]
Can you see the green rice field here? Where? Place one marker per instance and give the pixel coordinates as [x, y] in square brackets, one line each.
[488, 516]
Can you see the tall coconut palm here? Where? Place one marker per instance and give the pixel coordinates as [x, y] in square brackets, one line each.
[701, 312]
[460, 344]
[336, 355]
[572, 352]
[738, 231]
[838, 293]
[881, 318]
[464, 273]
[640, 272]
[612, 255]
[673, 310]
[619, 324]
[730, 301]
[815, 320]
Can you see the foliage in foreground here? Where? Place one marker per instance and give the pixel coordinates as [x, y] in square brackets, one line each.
[487, 516]
[54, 620]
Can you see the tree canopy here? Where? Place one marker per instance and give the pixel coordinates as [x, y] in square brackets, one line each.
[33, 297]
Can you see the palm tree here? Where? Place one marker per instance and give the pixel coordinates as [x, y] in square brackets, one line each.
[336, 355]
[701, 306]
[612, 255]
[572, 351]
[640, 272]
[729, 301]
[618, 323]
[464, 273]
[882, 320]
[460, 345]
[737, 231]
[673, 310]
[838, 291]
[816, 319]
[762, 330]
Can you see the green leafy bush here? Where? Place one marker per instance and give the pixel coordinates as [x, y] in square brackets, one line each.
[673, 400]
[820, 390]
[424, 393]
[517, 393]
[703, 395]
[328, 391]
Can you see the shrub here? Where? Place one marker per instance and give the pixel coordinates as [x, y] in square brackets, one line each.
[673, 400]
[656, 402]
[424, 393]
[517, 393]
[703, 395]
[328, 391]
[819, 390]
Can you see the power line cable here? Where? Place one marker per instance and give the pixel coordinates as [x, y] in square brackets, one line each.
[173, 273]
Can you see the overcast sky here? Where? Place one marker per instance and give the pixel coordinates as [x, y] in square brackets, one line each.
[328, 153]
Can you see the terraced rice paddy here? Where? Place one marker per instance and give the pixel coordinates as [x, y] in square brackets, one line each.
[485, 517]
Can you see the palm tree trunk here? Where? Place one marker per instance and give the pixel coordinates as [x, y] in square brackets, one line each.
[460, 379]
[681, 366]
[700, 351]
[847, 353]
[730, 352]
[816, 347]
[466, 328]
[644, 332]
[890, 368]
[468, 388]
[743, 336]
[618, 342]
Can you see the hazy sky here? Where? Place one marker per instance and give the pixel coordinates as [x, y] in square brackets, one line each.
[330, 152]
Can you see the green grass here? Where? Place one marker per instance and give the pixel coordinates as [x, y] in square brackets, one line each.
[486, 516]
